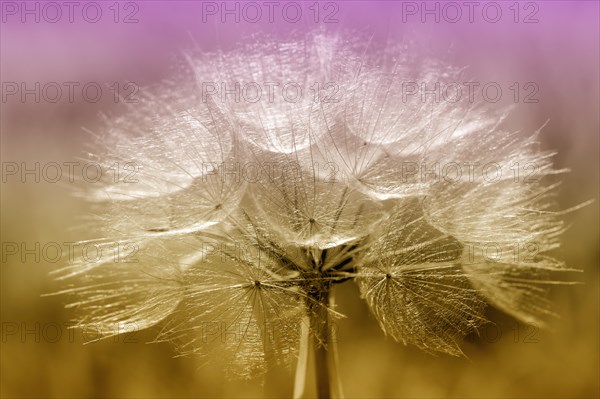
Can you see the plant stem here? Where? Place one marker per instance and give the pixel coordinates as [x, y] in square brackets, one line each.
[320, 328]
[301, 366]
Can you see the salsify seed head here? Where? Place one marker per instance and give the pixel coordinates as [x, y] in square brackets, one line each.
[286, 167]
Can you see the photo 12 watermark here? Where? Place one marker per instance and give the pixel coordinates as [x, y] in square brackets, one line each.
[65, 332]
[270, 92]
[69, 252]
[51, 12]
[293, 12]
[526, 12]
[70, 92]
[69, 172]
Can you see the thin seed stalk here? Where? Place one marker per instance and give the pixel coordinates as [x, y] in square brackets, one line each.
[320, 328]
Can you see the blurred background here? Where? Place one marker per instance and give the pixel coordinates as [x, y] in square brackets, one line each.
[554, 44]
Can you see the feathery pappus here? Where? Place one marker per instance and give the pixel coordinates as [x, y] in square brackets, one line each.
[288, 167]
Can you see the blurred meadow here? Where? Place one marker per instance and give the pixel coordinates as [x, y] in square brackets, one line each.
[41, 358]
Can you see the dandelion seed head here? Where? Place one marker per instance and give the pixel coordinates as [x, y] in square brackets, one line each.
[233, 264]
